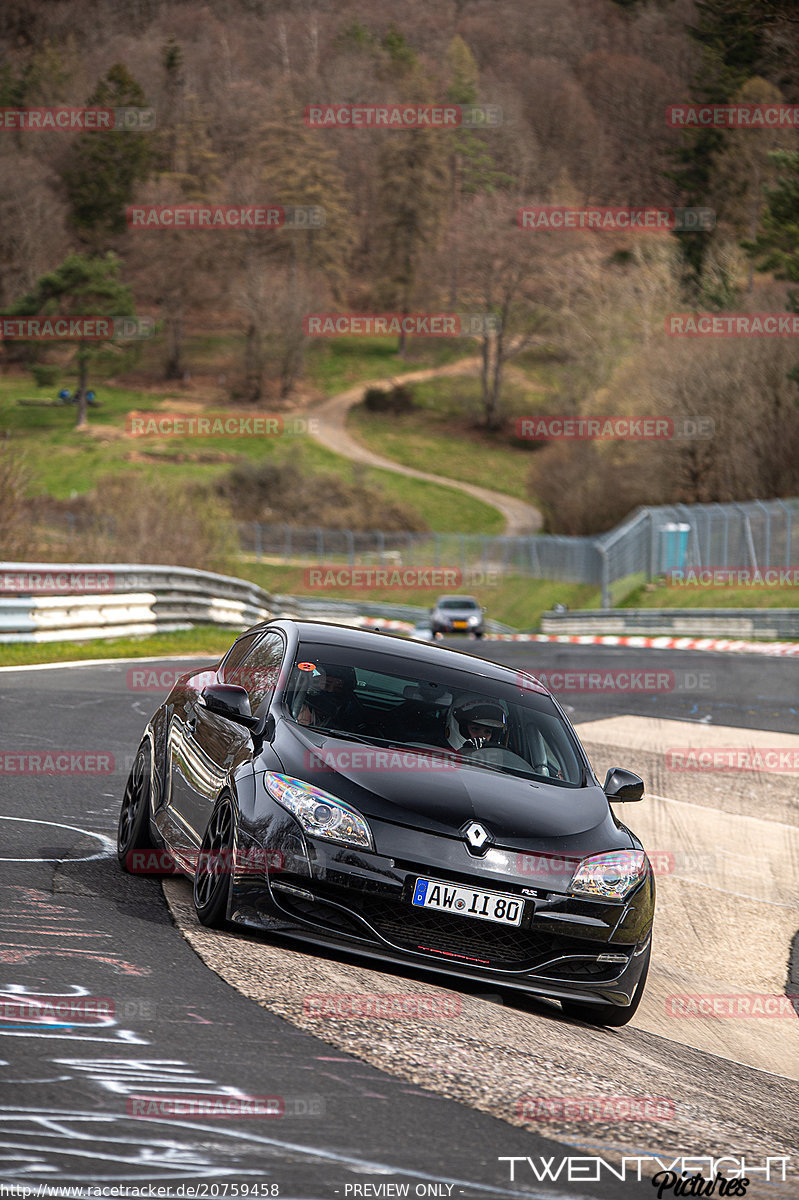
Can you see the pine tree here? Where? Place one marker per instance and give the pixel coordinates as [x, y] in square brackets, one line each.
[292, 167]
[471, 166]
[412, 189]
[730, 34]
[80, 287]
[104, 167]
[776, 248]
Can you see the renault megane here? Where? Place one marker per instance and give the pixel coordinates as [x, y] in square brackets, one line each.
[400, 799]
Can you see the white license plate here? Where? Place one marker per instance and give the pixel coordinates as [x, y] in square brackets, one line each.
[467, 902]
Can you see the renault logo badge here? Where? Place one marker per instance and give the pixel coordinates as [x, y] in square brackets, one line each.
[477, 837]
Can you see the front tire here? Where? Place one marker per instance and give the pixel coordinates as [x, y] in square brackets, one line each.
[133, 829]
[212, 876]
[609, 1015]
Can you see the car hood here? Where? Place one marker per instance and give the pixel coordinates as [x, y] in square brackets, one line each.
[407, 788]
[458, 613]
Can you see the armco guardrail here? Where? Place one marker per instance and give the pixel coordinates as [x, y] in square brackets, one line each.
[47, 602]
[767, 623]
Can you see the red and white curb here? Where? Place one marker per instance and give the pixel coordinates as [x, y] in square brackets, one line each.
[724, 645]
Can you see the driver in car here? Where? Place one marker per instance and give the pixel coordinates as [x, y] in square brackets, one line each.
[482, 725]
[330, 701]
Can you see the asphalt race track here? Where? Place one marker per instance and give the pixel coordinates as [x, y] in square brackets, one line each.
[365, 1106]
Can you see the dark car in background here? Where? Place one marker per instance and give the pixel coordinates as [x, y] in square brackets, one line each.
[457, 614]
[402, 800]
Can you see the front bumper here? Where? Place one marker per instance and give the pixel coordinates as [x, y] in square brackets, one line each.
[351, 900]
[440, 626]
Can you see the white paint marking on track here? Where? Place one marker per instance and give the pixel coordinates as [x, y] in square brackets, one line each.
[105, 662]
[338, 1158]
[108, 849]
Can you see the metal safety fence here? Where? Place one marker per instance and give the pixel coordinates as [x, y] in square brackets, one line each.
[651, 543]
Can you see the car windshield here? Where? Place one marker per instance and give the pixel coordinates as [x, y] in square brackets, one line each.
[458, 602]
[502, 726]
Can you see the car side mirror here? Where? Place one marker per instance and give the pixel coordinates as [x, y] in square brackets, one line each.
[228, 700]
[623, 786]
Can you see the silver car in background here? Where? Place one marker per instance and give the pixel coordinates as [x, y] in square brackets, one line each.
[457, 614]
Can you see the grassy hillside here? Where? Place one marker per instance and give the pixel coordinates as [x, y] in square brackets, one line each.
[64, 463]
[442, 434]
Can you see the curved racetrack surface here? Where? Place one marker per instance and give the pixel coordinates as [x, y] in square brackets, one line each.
[429, 1101]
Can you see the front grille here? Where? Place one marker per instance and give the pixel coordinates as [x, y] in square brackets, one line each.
[454, 938]
[582, 968]
[481, 943]
[319, 913]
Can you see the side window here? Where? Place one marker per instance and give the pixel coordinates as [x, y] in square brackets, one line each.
[235, 656]
[259, 671]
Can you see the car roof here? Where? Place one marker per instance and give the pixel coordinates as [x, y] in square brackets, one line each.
[456, 596]
[330, 633]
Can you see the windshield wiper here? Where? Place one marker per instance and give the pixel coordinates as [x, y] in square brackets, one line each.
[350, 737]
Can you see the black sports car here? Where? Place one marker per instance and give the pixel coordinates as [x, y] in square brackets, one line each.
[400, 799]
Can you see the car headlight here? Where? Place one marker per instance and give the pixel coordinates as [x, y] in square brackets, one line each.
[474, 620]
[320, 814]
[609, 876]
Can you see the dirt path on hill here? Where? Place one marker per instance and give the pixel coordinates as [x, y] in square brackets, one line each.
[520, 518]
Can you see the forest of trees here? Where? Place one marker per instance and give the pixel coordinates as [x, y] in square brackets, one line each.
[425, 220]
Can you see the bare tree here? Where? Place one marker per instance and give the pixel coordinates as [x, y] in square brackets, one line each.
[33, 237]
[15, 509]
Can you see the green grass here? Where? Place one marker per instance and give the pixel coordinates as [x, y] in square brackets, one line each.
[208, 640]
[663, 596]
[65, 463]
[516, 601]
[441, 435]
[443, 509]
[336, 364]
